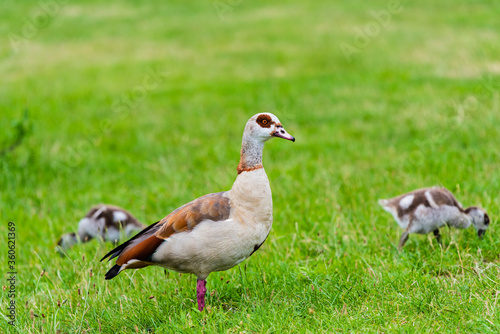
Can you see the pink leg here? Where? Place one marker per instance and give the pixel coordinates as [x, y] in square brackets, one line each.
[201, 290]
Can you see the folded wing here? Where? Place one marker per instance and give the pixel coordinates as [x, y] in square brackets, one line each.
[137, 252]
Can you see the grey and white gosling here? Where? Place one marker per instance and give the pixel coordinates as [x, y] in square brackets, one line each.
[103, 222]
[426, 210]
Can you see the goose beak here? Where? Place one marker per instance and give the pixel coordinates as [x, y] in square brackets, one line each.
[480, 233]
[280, 132]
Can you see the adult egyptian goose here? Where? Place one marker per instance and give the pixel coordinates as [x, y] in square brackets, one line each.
[214, 232]
[426, 210]
[104, 222]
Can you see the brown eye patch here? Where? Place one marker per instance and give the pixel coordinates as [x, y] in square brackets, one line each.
[264, 121]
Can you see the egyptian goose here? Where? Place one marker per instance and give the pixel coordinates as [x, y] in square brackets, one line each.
[103, 222]
[214, 232]
[426, 210]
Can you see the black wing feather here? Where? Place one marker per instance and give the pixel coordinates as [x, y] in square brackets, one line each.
[115, 252]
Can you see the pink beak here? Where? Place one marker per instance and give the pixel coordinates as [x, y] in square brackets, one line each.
[281, 133]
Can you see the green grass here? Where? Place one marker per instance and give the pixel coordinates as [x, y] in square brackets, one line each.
[418, 106]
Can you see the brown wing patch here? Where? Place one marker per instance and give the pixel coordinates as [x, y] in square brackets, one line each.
[141, 247]
[143, 235]
[214, 207]
[92, 211]
[130, 220]
[419, 199]
[440, 196]
[443, 196]
[141, 251]
[107, 214]
[264, 121]
[104, 212]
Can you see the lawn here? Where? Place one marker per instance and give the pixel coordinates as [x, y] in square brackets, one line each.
[143, 104]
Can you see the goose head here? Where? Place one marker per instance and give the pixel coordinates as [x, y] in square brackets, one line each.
[264, 126]
[479, 218]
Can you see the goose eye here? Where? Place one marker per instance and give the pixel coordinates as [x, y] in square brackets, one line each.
[264, 121]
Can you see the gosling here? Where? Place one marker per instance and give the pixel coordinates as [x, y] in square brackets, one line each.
[104, 222]
[426, 210]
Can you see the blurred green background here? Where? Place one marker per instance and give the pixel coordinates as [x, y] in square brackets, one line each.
[143, 104]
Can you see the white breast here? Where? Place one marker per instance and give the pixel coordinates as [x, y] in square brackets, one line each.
[251, 198]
